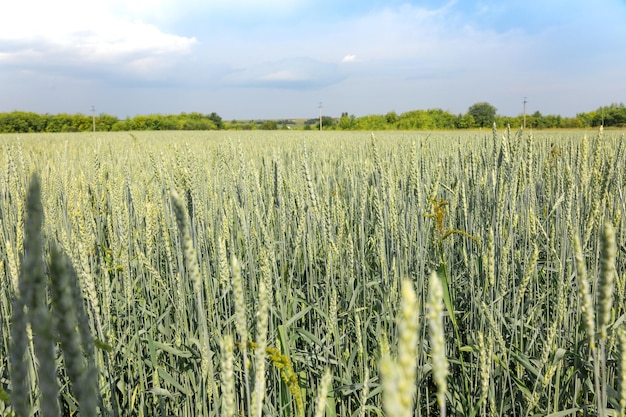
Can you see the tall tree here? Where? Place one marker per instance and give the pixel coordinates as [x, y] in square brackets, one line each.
[484, 114]
[346, 121]
[216, 119]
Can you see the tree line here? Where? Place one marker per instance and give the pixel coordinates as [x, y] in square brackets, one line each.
[23, 122]
[478, 115]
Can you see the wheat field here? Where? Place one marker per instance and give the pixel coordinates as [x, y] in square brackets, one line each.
[313, 274]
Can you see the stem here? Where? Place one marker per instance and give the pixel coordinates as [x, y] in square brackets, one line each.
[596, 379]
[448, 301]
[601, 380]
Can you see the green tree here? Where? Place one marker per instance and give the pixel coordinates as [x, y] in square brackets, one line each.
[464, 121]
[371, 122]
[215, 118]
[415, 120]
[105, 122]
[571, 123]
[484, 114]
[327, 123]
[346, 121]
[120, 126]
[82, 123]
[60, 123]
[392, 118]
[441, 119]
[269, 125]
[613, 115]
[532, 120]
[586, 119]
[22, 122]
[502, 122]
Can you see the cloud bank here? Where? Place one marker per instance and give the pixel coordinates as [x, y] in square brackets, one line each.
[74, 36]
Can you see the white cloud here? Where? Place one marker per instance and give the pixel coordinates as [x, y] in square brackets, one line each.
[349, 58]
[292, 73]
[247, 6]
[72, 32]
[284, 75]
[166, 11]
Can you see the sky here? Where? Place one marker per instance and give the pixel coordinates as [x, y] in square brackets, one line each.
[270, 59]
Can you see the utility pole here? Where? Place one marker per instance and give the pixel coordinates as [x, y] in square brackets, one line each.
[93, 117]
[524, 126]
[320, 107]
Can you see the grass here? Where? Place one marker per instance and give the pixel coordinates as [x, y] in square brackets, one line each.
[193, 274]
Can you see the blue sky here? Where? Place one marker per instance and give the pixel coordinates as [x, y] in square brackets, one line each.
[254, 59]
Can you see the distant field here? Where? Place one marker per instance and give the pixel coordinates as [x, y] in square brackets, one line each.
[222, 273]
